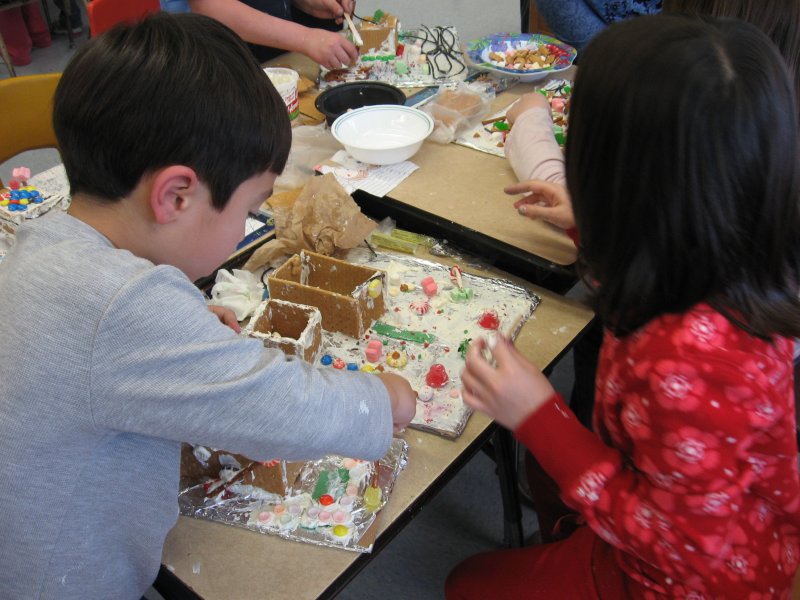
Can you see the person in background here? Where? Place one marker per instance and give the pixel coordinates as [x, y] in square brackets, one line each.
[576, 22]
[113, 357]
[60, 26]
[272, 27]
[22, 29]
[682, 165]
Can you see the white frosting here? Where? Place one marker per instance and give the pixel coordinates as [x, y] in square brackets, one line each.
[202, 454]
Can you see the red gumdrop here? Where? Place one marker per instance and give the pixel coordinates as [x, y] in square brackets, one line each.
[326, 499]
[399, 50]
[489, 320]
[437, 376]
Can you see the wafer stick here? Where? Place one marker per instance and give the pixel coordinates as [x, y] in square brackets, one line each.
[356, 36]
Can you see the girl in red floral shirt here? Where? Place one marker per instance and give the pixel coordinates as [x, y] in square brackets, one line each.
[682, 166]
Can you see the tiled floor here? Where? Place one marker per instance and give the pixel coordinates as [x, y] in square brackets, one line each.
[463, 519]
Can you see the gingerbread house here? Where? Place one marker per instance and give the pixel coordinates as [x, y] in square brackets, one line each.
[349, 297]
[219, 471]
[296, 329]
[379, 35]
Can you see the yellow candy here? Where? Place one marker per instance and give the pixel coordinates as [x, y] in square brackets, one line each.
[374, 288]
[372, 498]
[341, 530]
[397, 359]
[4, 203]
[368, 368]
[24, 201]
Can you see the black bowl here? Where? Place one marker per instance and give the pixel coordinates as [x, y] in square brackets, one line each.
[337, 100]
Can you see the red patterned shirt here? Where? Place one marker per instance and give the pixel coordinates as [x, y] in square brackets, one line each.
[693, 473]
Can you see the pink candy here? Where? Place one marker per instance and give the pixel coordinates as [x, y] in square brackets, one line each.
[429, 286]
[374, 351]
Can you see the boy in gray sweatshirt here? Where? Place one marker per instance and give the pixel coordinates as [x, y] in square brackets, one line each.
[170, 134]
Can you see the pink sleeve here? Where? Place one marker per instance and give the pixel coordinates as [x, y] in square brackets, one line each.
[531, 148]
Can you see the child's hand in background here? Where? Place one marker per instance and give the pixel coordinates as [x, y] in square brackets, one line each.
[226, 316]
[403, 398]
[508, 392]
[547, 201]
[526, 102]
[329, 49]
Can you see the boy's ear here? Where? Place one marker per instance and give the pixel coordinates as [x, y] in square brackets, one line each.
[173, 190]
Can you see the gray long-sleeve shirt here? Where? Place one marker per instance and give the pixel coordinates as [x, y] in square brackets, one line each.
[107, 363]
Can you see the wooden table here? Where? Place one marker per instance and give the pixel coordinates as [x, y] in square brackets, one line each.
[457, 194]
[216, 561]
[456, 191]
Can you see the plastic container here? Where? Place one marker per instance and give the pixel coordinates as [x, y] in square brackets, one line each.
[285, 81]
[336, 101]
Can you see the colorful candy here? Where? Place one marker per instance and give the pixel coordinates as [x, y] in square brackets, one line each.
[374, 351]
[429, 286]
[437, 376]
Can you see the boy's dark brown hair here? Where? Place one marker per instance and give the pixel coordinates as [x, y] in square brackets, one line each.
[682, 162]
[169, 90]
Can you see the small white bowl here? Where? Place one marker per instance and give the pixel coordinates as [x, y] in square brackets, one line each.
[382, 134]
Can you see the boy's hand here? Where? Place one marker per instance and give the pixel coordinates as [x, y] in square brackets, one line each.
[226, 316]
[509, 392]
[526, 102]
[547, 201]
[329, 49]
[403, 398]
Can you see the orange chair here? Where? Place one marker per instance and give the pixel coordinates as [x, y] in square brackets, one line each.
[104, 14]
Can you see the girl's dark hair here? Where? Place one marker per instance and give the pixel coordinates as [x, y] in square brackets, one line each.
[682, 163]
[171, 89]
[779, 19]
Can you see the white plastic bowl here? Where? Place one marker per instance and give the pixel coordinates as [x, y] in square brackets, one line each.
[382, 134]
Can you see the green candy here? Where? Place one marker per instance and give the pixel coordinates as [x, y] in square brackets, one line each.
[393, 332]
[462, 295]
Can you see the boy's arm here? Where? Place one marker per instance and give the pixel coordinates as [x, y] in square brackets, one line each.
[164, 366]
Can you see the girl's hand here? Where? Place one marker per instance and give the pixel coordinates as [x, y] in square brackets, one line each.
[547, 201]
[226, 316]
[508, 392]
[329, 49]
[526, 102]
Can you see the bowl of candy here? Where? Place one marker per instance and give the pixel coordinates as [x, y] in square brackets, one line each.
[528, 56]
[382, 134]
[335, 101]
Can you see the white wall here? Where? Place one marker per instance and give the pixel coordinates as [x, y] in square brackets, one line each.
[472, 18]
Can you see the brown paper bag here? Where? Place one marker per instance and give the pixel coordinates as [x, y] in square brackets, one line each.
[323, 218]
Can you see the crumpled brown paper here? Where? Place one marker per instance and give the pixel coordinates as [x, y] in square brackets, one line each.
[323, 218]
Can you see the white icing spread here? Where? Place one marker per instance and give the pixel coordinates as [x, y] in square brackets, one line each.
[226, 460]
[202, 454]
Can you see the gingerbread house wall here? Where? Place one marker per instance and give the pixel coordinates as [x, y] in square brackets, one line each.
[290, 321]
[337, 288]
[271, 479]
